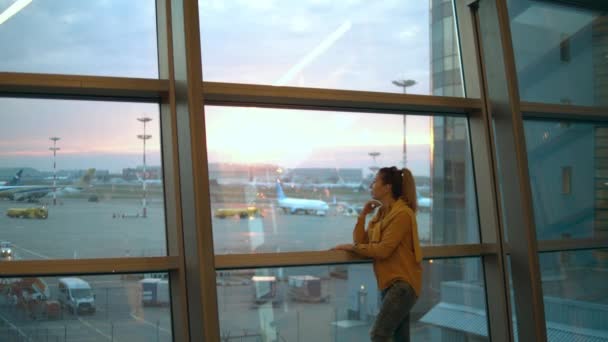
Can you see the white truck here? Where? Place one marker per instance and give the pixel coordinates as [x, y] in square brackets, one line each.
[76, 295]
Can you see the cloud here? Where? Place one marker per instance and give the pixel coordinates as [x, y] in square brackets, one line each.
[82, 37]
[408, 33]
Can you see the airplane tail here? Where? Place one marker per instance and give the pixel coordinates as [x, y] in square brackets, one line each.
[15, 179]
[86, 179]
[280, 193]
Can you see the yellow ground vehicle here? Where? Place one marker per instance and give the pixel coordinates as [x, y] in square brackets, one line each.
[31, 213]
[247, 212]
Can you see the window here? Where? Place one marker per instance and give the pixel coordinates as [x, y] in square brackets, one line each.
[82, 194]
[559, 52]
[286, 180]
[339, 303]
[574, 287]
[551, 145]
[132, 307]
[80, 37]
[319, 44]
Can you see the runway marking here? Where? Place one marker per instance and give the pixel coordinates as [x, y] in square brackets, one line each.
[32, 252]
[97, 330]
[141, 320]
[13, 326]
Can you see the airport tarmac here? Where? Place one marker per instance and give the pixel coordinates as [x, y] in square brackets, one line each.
[276, 231]
[81, 229]
[119, 316]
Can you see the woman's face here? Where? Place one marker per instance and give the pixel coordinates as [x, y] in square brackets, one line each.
[379, 190]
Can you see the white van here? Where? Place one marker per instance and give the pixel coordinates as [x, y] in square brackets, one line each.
[76, 295]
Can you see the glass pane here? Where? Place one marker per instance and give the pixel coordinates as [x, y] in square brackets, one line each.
[560, 53]
[568, 166]
[574, 289]
[133, 307]
[387, 46]
[90, 197]
[101, 38]
[283, 180]
[339, 303]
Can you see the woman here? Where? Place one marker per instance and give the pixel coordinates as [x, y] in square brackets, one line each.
[391, 239]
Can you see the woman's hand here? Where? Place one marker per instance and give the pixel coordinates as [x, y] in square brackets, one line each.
[344, 247]
[369, 207]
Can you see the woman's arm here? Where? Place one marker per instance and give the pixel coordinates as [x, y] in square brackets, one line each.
[392, 235]
[359, 233]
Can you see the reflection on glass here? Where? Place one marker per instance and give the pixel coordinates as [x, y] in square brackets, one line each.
[568, 178]
[559, 52]
[388, 46]
[574, 290]
[286, 180]
[339, 303]
[134, 307]
[574, 294]
[101, 38]
[87, 194]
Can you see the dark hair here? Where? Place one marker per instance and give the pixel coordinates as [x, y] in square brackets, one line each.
[402, 184]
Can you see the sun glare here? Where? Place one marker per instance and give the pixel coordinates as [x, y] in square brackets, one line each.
[260, 135]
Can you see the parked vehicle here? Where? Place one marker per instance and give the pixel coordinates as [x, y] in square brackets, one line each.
[306, 288]
[76, 295]
[154, 291]
[6, 250]
[248, 212]
[31, 213]
[30, 295]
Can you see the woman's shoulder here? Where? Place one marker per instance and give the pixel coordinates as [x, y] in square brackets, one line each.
[401, 208]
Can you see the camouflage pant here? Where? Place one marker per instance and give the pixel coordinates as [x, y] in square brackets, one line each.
[393, 320]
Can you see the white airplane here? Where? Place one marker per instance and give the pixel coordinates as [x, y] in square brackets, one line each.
[149, 181]
[14, 180]
[34, 192]
[295, 205]
[424, 203]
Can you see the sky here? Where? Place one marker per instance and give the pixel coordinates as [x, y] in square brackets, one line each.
[356, 45]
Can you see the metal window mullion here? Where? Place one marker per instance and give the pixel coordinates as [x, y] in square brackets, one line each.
[319, 258]
[193, 173]
[233, 94]
[172, 200]
[534, 110]
[484, 165]
[54, 267]
[504, 115]
[84, 87]
[571, 245]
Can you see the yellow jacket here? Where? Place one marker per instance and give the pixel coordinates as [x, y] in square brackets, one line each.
[391, 240]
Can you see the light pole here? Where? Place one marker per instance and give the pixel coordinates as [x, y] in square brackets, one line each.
[144, 137]
[374, 168]
[404, 84]
[54, 149]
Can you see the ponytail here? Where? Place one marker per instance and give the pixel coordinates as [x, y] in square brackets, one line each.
[402, 184]
[408, 193]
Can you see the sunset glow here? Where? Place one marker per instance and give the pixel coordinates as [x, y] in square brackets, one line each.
[260, 135]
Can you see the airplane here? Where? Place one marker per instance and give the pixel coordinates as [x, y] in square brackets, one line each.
[14, 180]
[424, 203]
[295, 205]
[149, 181]
[32, 193]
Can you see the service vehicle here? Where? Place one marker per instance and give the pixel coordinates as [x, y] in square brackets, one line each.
[30, 213]
[76, 295]
[6, 250]
[248, 212]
